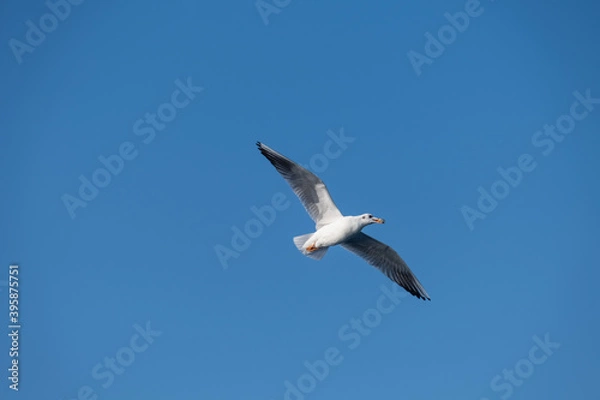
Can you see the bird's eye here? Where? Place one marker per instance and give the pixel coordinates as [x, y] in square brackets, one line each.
[370, 216]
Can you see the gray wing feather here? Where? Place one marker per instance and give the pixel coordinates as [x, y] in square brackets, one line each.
[387, 261]
[311, 190]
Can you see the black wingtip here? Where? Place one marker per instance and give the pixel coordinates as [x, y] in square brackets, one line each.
[262, 149]
[421, 296]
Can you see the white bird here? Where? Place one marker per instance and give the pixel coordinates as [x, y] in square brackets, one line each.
[333, 228]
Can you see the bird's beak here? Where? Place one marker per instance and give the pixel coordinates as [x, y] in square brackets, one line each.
[379, 220]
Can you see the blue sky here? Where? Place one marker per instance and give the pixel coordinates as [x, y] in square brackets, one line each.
[140, 256]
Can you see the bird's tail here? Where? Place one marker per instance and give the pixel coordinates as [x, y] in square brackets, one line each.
[300, 242]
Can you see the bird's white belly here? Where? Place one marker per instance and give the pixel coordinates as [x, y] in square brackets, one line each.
[334, 233]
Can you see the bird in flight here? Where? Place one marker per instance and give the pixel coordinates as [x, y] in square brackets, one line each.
[333, 228]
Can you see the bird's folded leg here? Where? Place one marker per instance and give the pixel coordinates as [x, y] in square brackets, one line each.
[311, 248]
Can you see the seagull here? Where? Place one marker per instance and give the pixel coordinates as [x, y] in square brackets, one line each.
[333, 228]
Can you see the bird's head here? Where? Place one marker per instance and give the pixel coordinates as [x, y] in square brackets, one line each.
[368, 219]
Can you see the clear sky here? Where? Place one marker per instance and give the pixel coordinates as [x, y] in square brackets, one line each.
[174, 95]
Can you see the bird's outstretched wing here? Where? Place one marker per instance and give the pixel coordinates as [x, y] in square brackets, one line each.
[387, 260]
[311, 190]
